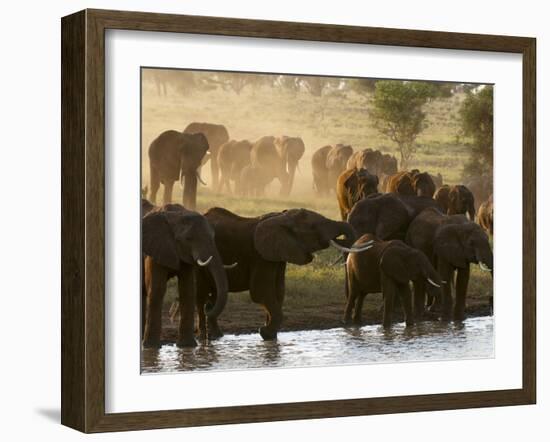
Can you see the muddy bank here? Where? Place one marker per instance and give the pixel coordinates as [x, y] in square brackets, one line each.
[242, 316]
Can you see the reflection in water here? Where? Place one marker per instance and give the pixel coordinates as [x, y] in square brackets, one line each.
[370, 344]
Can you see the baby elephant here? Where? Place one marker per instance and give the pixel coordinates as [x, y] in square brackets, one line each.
[386, 267]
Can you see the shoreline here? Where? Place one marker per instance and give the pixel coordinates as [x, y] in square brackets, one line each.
[246, 318]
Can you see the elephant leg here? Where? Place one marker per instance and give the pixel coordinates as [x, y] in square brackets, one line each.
[155, 281]
[351, 295]
[143, 305]
[462, 279]
[388, 290]
[343, 213]
[274, 319]
[190, 191]
[284, 180]
[406, 303]
[224, 182]
[358, 311]
[228, 185]
[419, 298]
[208, 294]
[266, 285]
[316, 185]
[168, 186]
[219, 187]
[202, 297]
[187, 293]
[214, 169]
[154, 184]
[446, 271]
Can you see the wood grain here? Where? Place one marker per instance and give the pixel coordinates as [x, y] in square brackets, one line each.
[73, 129]
[83, 219]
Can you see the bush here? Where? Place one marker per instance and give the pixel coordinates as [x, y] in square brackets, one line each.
[476, 120]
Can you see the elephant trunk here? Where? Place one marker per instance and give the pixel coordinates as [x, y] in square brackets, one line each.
[484, 257]
[472, 211]
[284, 178]
[341, 228]
[217, 271]
[431, 276]
[292, 164]
[190, 191]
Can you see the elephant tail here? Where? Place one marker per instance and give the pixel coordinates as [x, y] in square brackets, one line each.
[346, 283]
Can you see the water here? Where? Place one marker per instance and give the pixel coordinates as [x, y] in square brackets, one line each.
[426, 341]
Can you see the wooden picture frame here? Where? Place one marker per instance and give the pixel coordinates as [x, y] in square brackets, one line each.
[83, 220]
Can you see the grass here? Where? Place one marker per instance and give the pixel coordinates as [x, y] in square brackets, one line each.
[315, 293]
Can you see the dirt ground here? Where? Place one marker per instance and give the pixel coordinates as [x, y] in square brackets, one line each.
[242, 316]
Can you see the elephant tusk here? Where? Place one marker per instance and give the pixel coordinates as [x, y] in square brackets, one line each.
[433, 283]
[364, 247]
[230, 266]
[484, 267]
[204, 263]
[200, 179]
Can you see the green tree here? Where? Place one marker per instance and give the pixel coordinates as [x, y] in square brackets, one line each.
[398, 113]
[476, 120]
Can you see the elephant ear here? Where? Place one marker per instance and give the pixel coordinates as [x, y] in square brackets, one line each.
[330, 158]
[448, 245]
[157, 240]
[392, 219]
[276, 241]
[351, 183]
[393, 263]
[453, 201]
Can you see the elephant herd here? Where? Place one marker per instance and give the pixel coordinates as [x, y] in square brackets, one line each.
[398, 229]
[247, 166]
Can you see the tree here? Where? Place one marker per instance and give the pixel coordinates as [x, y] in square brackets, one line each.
[289, 83]
[476, 120]
[317, 85]
[363, 86]
[398, 112]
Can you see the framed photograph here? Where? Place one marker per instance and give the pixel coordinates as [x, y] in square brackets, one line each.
[266, 221]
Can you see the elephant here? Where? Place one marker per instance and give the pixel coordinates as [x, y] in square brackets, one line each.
[216, 134]
[291, 150]
[320, 171]
[367, 159]
[374, 161]
[481, 187]
[387, 267]
[253, 181]
[389, 164]
[455, 200]
[400, 183]
[485, 215]
[354, 185]
[233, 157]
[451, 242]
[411, 183]
[387, 215]
[177, 242]
[146, 207]
[172, 156]
[265, 156]
[262, 246]
[327, 163]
